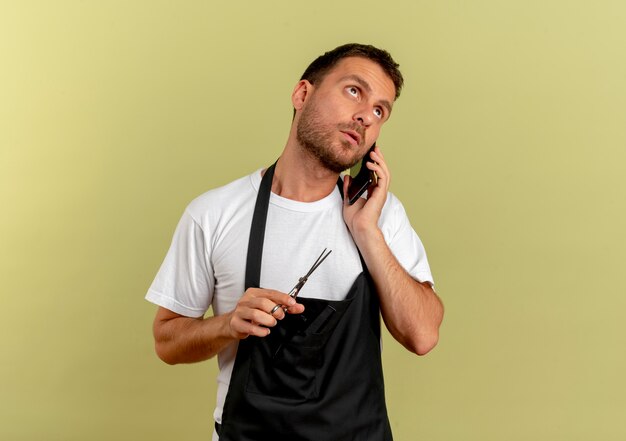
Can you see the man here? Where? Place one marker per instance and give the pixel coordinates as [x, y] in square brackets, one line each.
[311, 369]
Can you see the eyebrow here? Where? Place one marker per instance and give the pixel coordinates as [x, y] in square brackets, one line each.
[365, 85]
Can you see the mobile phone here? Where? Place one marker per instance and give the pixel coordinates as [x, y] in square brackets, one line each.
[362, 178]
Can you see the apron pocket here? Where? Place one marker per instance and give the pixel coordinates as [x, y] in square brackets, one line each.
[285, 363]
[286, 370]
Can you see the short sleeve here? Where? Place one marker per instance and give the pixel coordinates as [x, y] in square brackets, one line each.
[404, 243]
[185, 281]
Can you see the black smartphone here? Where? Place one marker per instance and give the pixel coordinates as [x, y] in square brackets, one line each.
[362, 178]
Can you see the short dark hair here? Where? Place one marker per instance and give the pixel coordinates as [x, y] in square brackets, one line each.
[320, 67]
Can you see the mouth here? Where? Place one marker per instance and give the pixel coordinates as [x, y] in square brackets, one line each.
[352, 136]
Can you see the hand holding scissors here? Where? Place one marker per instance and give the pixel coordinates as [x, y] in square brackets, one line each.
[251, 316]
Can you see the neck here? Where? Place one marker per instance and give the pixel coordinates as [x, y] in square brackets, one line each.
[299, 176]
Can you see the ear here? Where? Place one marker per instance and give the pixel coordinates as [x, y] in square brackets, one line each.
[300, 93]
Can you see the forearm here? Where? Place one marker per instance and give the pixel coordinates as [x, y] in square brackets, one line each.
[180, 339]
[412, 311]
[188, 340]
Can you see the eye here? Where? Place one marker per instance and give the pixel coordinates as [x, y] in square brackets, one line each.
[353, 91]
[378, 112]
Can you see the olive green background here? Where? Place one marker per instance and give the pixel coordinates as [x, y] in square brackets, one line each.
[507, 147]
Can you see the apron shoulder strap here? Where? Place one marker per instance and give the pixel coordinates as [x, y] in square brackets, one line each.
[257, 231]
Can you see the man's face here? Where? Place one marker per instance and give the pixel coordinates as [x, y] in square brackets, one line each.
[342, 115]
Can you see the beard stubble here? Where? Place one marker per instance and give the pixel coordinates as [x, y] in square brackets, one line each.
[316, 137]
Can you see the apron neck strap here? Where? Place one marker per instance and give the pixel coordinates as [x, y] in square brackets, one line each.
[257, 230]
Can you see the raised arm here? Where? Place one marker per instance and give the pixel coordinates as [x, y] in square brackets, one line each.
[411, 310]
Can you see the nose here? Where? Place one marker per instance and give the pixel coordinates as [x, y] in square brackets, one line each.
[364, 116]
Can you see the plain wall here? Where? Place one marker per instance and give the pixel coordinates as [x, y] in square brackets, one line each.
[507, 148]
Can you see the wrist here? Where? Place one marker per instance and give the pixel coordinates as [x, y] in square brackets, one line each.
[226, 329]
[364, 236]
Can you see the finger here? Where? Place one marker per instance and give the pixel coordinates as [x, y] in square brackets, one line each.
[378, 157]
[267, 299]
[378, 168]
[257, 309]
[279, 298]
[244, 328]
[298, 308]
[256, 316]
[382, 172]
[379, 152]
[266, 305]
[278, 312]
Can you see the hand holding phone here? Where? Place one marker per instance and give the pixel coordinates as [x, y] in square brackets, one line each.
[362, 178]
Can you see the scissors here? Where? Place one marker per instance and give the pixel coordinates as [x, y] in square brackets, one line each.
[296, 289]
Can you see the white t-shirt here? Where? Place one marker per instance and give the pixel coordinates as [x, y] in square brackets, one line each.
[205, 265]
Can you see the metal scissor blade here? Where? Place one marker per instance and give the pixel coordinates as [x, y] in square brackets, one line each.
[317, 263]
[296, 289]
